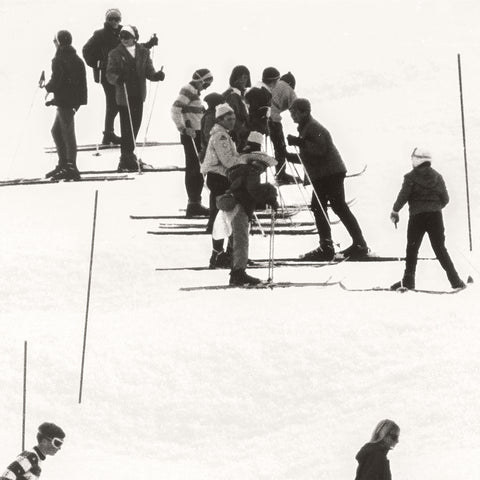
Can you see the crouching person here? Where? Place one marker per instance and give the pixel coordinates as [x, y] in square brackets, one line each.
[246, 191]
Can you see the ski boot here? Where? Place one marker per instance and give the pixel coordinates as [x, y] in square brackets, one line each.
[220, 260]
[109, 138]
[323, 253]
[240, 278]
[356, 251]
[407, 283]
[128, 163]
[53, 172]
[196, 209]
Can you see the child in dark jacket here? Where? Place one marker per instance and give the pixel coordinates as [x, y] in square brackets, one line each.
[373, 463]
[425, 191]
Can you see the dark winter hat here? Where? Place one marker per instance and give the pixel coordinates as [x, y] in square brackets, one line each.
[113, 13]
[270, 74]
[129, 30]
[289, 78]
[302, 105]
[237, 72]
[202, 75]
[64, 38]
[50, 430]
[213, 99]
[420, 156]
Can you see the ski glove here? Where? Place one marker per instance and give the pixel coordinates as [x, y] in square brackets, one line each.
[298, 141]
[153, 42]
[395, 217]
[160, 75]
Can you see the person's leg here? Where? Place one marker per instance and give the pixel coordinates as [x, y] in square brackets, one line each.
[436, 233]
[111, 111]
[193, 177]
[128, 161]
[59, 140]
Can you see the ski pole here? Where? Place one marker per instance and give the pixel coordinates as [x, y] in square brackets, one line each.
[271, 247]
[131, 127]
[314, 191]
[259, 225]
[24, 408]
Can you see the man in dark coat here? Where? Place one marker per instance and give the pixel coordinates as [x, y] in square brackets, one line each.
[68, 84]
[326, 170]
[129, 65]
[425, 191]
[95, 53]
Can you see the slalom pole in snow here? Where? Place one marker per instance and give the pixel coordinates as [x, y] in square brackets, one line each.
[314, 191]
[271, 247]
[88, 296]
[131, 127]
[464, 151]
[24, 403]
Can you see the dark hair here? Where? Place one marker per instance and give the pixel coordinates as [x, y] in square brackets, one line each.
[302, 105]
[237, 72]
[48, 431]
[289, 78]
[64, 38]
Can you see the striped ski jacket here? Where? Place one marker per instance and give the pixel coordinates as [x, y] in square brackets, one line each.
[188, 109]
[25, 466]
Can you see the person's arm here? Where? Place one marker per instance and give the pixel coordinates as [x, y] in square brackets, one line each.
[20, 466]
[114, 69]
[403, 195]
[92, 51]
[57, 76]
[444, 197]
[176, 111]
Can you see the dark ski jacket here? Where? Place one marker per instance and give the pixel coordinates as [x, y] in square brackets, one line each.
[96, 50]
[236, 100]
[123, 69]
[424, 189]
[247, 188]
[259, 100]
[318, 152]
[373, 463]
[69, 81]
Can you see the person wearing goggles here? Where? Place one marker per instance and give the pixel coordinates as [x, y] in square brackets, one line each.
[50, 438]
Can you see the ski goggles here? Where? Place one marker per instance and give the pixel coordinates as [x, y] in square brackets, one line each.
[56, 442]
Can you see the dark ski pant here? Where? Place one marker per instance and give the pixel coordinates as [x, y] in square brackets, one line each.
[218, 185]
[279, 145]
[240, 232]
[193, 177]
[63, 133]
[331, 189]
[111, 107]
[431, 223]
[127, 147]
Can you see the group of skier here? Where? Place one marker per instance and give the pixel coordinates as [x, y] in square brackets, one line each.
[232, 132]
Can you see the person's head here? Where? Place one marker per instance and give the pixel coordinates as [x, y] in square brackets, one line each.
[128, 35]
[240, 78]
[421, 157]
[63, 38]
[259, 160]
[50, 438]
[113, 17]
[213, 99]
[300, 110]
[225, 116]
[202, 79]
[289, 79]
[386, 432]
[270, 76]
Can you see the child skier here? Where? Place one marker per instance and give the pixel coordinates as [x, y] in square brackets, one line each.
[425, 191]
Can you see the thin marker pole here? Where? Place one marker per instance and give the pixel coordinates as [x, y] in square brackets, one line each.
[464, 151]
[24, 409]
[88, 296]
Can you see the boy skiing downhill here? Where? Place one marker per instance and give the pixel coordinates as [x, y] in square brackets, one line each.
[425, 191]
[26, 466]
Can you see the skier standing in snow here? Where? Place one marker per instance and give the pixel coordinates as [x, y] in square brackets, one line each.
[283, 95]
[259, 100]
[425, 191]
[327, 171]
[373, 463]
[235, 96]
[129, 65]
[95, 52]
[208, 120]
[247, 191]
[50, 439]
[68, 84]
[220, 156]
[187, 112]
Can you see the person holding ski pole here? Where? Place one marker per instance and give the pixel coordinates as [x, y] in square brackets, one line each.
[129, 65]
[246, 191]
[326, 171]
[68, 84]
[187, 112]
[95, 52]
[426, 194]
[50, 438]
[372, 457]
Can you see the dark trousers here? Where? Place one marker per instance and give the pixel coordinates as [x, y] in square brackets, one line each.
[193, 177]
[279, 145]
[111, 107]
[136, 110]
[331, 189]
[218, 185]
[431, 223]
[63, 133]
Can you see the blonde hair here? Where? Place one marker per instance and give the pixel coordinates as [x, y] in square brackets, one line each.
[383, 428]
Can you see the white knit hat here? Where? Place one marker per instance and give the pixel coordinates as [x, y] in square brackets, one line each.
[222, 109]
[129, 29]
[420, 155]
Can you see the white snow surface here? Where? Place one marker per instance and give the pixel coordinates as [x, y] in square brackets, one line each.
[242, 384]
